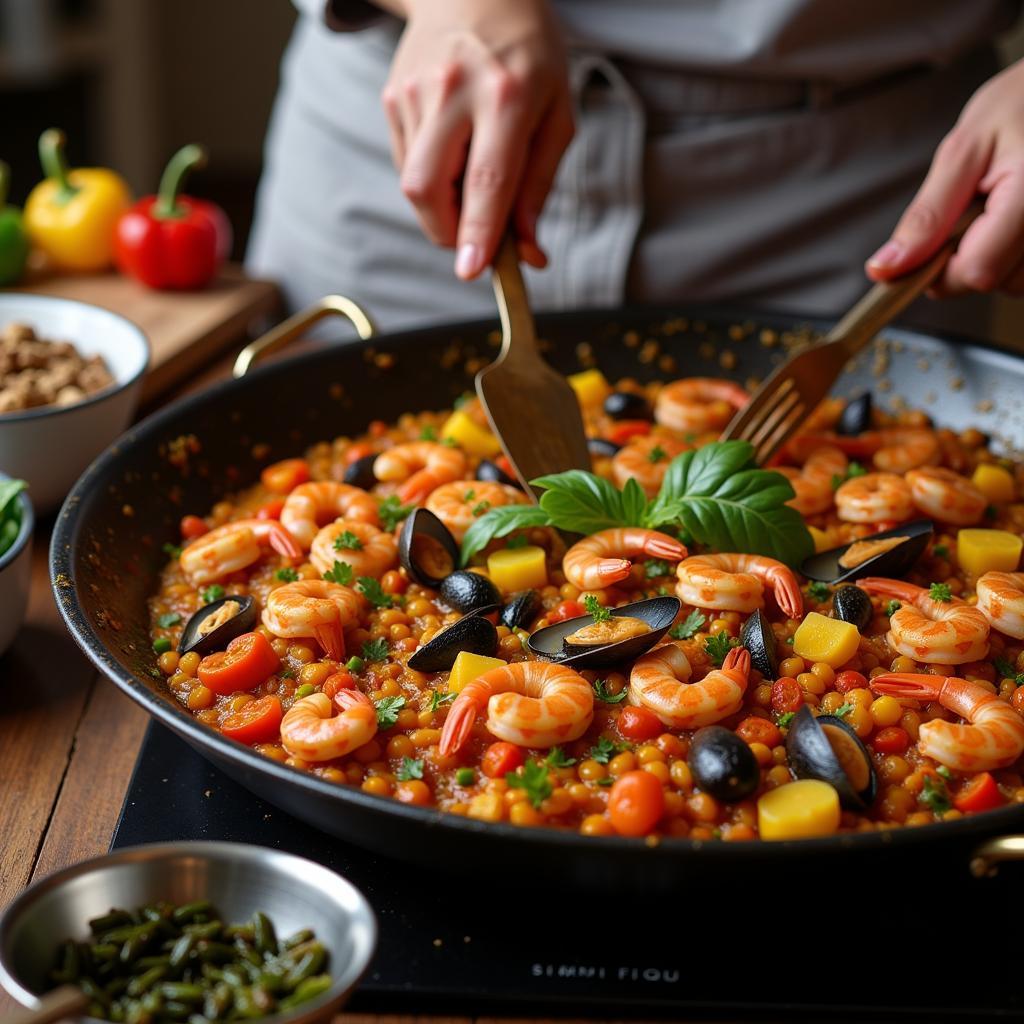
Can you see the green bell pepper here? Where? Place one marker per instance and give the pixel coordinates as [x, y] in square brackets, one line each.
[13, 238]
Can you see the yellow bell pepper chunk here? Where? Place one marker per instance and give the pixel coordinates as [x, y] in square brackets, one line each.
[995, 483]
[71, 215]
[798, 810]
[820, 538]
[591, 387]
[819, 638]
[981, 551]
[514, 569]
[469, 436]
[468, 666]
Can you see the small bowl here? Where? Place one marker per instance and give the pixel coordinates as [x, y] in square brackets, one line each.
[16, 575]
[50, 446]
[239, 880]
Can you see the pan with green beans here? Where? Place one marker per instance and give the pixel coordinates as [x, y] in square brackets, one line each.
[163, 964]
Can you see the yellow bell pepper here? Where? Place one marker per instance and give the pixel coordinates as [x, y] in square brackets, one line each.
[468, 666]
[820, 538]
[514, 569]
[798, 810]
[591, 387]
[71, 215]
[994, 482]
[981, 551]
[469, 436]
[819, 638]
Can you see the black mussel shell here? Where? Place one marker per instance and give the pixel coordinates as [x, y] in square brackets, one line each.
[488, 470]
[826, 748]
[658, 612]
[521, 609]
[360, 473]
[467, 592]
[722, 764]
[217, 639]
[471, 633]
[602, 447]
[894, 563]
[851, 604]
[624, 405]
[856, 417]
[758, 638]
[426, 549]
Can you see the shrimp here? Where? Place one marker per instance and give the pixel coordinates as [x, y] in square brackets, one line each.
[874, 498]
[529, 703]
[660, 682]
[894, 450]
[946, 496]
[734, 582]
[420, 467]
[313, 608]
[590, 563]
[814, 482]
[370, 552]
[1001, 601]
[460, 503]
[935, 632]
[698, 404]
[312, 505]
[645, 460]
[234, 546]
[309, 731]
[993, 739]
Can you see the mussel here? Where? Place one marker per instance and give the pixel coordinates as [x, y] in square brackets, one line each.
[521, 609]
[722, 764]
[216, 624]
[625, 405]
[826, 748]
[488, 470]
[890, 553]
[856, 416]
[758, 638]
[656, 613]
[426, 549]
[467, 592]
[471, 633]
[851, 604]
[360, 473]
[602, 447]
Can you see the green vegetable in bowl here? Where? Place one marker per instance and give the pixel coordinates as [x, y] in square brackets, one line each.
[10, 512]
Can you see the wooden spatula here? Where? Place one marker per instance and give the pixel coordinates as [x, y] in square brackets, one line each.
[533, 410]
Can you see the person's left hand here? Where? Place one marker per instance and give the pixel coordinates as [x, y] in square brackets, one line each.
[984, 153]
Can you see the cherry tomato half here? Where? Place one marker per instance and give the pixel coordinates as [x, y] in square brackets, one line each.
[258, 722]
[639, 723]
[501, 758]
[248, 660]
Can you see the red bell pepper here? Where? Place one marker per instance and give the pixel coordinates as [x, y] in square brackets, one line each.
[171, 241]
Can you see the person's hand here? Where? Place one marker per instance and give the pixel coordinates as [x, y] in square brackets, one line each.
[479, 111]
[984, 153]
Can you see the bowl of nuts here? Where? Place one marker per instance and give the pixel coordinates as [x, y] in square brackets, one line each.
[69, 382]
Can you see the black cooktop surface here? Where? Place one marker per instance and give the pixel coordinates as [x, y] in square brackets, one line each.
[818, 944]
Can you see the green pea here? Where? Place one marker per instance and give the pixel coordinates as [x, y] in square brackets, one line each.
[161, 645]
[305, 690]
[465, 776]
[354, 664]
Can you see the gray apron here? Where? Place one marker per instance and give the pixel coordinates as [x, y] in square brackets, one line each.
[763, 178]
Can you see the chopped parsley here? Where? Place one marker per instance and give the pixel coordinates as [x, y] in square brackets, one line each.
[387, 710]
[940, 592]
[168, 620]
[690, 625]
[944, 772]
[718, 646]
[409, 769]
[392, 512]
[892, 607]
[940, 551]
[843, 710]
[603, 750]
[480, 508]
[469, 495]
[654, 567]
[340, 572]
[784, 720]
[439, 699]
[520, 540]
[1007, 670]
[595, 609]
[934, 796]
[212, 593]
[657, 454]
[819, 591]
[600, 687]
[428, 433]
[172, 550]
[534, 779]
[854, 469]
[373, 592]
[347, 541]
[286, 575]
[557, 758]
[606, 781]
[466, 396]
[375, 650]
[449, 442]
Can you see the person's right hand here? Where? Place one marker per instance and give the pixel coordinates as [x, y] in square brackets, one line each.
[479, 110]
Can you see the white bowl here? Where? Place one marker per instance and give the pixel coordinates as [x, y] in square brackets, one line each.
[51, 446]
[16, 575]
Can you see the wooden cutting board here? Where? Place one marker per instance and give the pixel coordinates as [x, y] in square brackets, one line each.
[186, 330]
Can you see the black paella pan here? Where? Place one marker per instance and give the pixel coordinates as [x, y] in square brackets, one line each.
[106, 551]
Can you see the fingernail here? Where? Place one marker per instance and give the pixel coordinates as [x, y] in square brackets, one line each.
[467, 260]
[890, 253]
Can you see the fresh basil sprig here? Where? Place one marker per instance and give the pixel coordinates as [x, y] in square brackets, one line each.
[716, 494]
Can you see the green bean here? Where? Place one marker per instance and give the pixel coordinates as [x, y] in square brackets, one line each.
[210, 930]
[297, 939]
[116, 1013]
[70, 963]
[182, 949]
[94, 992]
[114, 919]
[212, 973]
[145, 962]
[217, 1000]
[198, 1018]
[233, 977]
[216, 952]
[182, 991]
[265, 936]
[310, 988]
[253, 1002]
[144, 982]
[310, 964]
[187, 911]
[177, 1010]
[117, 987]
[102, 951]
[245, 932]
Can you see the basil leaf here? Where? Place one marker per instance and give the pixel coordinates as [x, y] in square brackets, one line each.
[500, 522]
[580, 502]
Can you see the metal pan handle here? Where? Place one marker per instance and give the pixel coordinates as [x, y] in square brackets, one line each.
[993, 852]
[296, 326]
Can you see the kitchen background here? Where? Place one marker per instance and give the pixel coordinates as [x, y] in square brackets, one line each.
[132, 80]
